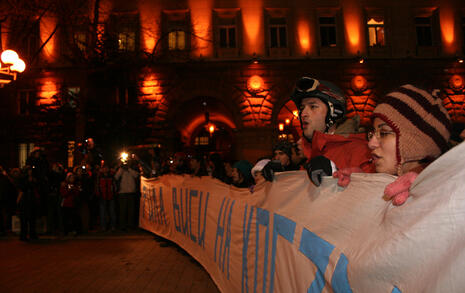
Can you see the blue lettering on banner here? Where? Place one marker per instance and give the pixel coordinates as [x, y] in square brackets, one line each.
[318, 251]
[156, 209]
[263, 218]
[144, 196]
[339, 281]
[286, 228]
[219, 228]
[184, 211]
[193, 193]
[176, 211]
[245, 242]
[220, 232]
[201, 235]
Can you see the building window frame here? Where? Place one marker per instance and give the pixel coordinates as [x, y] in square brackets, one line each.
[227, 35]
[376, 28]
[176, 29]
[277, 32]
[327, 31]
[424, 31]
[125, 31]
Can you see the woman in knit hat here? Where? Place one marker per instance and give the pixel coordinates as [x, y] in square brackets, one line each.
[411, 128]
[241, 175]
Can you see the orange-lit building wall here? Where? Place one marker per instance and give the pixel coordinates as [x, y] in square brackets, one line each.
[149, 13]
[447, 22]
[47, 90]
[354, 26]
[201, 17]
[253, 25]
[49, 35]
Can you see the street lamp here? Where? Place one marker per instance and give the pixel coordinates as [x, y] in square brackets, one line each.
[10, 66]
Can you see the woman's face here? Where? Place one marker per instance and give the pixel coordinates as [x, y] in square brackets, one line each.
[382, 142]
[236, 176]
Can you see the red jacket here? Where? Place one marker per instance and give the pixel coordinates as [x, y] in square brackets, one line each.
[345, 151]
[70, 193]
[106, 188]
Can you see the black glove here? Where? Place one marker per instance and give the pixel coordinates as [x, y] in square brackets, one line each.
[317, 167]
[270, 168]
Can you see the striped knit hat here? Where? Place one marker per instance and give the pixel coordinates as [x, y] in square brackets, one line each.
[420, 121]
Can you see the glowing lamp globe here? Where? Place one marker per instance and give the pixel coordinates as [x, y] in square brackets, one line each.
[255, 83]
[9, 57]
[18, 66]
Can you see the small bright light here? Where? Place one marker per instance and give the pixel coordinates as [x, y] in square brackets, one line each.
[9, 57]
[460, 60]
[361, 60]
[124, 156]
[287, 121]
[295, 113]
[281, 126]
[18, 66]
[211, 129]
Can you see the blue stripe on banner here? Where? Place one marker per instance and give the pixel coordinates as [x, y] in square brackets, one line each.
[263, 218]
[339, 282]
[286, 228]
[219, 229]
[318, 251]
[245, 246]
[396, 290]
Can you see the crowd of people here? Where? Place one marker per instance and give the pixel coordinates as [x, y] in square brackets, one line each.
[410, 128]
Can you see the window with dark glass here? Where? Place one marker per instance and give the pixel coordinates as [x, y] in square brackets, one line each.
[327, 31]
[376, 31]
[227, 36]
[423, 27]
[278, 33]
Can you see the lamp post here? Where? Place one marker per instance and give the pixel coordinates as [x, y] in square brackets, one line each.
[10, 66]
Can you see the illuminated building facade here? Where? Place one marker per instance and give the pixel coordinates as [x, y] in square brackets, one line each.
[213, 75]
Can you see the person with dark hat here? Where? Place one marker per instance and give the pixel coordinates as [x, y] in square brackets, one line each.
[241, 175]
[321, 107]
[411, 128]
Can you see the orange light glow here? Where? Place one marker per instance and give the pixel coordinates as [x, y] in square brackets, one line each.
[199, 121]
[446, 15]
[150, 89]
[295, 113]
[358, 83]
[47, 90]
[352, 19]
[255, 83]
[288, 121]
[211, 129]
[303, 30]
[47, 28]
[149, 10]
[252, 17]
[456, 82]
[201, 15]
[281, 127]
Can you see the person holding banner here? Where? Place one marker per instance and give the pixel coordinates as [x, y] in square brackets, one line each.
[411, 128]
[328, 142]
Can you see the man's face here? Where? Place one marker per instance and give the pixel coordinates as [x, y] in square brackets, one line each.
[313, 116]
[236, 176]
[282, 157]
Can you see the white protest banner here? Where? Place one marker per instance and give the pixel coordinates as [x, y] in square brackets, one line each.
[289, 236]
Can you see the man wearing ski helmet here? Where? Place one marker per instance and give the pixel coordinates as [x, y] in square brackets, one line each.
[321, 106]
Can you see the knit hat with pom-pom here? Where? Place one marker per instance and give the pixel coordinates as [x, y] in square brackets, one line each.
[420, 121]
